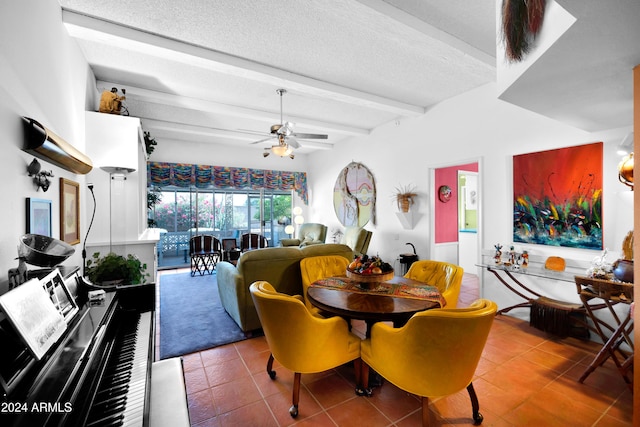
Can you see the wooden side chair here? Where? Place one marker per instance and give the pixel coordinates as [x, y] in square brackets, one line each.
[205, 252]
[250, 241]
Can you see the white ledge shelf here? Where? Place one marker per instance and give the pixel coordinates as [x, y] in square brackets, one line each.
[406, 219]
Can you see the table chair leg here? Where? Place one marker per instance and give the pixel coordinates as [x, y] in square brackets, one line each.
[270, 371]
[364, 389]
[425, 411]
[293, 411]
[608, 350]
[475, 405]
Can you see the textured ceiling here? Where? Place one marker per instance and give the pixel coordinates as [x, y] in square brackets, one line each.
[208, 70]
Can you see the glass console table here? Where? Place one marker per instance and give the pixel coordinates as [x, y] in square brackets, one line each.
[595, 294]
[507, 276]
[554, 316]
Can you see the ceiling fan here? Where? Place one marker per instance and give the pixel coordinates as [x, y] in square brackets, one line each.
[285, 136]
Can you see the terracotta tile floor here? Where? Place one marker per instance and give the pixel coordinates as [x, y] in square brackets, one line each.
[525, 378]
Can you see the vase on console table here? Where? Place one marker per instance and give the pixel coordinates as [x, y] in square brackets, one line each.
[623, 270]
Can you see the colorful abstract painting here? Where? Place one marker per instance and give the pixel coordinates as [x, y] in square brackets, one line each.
[557, 197]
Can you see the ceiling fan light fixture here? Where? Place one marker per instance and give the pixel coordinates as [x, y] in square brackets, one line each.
[282, 150]
[285, 136]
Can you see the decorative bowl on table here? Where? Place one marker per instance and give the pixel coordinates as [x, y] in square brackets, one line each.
[366, 269]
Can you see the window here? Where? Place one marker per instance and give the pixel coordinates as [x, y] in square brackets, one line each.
[223, 213]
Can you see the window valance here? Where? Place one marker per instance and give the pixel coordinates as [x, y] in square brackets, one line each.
[223, 177]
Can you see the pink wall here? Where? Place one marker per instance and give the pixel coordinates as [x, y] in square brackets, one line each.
[446, 214]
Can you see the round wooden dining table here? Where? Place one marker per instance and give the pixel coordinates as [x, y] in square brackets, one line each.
[370, 307]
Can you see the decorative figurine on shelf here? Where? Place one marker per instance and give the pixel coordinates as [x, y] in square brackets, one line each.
[111, 102]
[525, 259]
[600, 267]
[512, 256]
[498, 256]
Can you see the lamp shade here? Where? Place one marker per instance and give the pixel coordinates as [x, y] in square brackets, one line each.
[117, 169]
[281, 150]
[625, 170]
[289, 229]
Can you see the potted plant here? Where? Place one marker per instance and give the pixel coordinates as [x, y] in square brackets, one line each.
[154, 196]
[405, 197]
[116, 269]
[149, 143]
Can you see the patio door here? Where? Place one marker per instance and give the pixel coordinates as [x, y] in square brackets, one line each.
[269, 213]
[256, 213]
[185, 212]
[202, 212]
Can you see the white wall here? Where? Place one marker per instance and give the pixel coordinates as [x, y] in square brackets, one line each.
[43, 75]
[475, 126]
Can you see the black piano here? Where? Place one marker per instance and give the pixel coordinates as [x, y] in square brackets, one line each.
[98, 373]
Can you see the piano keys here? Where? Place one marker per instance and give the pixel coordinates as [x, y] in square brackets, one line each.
[123, 392]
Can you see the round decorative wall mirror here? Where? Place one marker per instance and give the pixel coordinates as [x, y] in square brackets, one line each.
[444, 193]
[354, 196]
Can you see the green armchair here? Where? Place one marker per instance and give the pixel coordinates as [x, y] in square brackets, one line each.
[357, 239]
[309, 234]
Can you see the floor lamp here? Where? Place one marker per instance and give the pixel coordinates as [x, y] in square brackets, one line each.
[84, 244]
[115, 172]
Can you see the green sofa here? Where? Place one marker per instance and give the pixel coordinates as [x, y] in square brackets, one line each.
[278, 266]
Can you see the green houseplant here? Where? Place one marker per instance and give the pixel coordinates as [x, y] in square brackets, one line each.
[116, 269]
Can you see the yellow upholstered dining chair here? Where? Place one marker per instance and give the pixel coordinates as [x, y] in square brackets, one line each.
[443, 275]
[301, 342]
[435, 354]
[320, 267]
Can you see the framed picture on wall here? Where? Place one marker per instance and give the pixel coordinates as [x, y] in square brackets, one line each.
[557, 197]
[69, 211]
[38, 216]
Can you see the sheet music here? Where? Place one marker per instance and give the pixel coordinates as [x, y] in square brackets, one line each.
[34, 316]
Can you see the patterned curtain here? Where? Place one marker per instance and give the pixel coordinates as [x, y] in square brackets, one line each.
[223, 177]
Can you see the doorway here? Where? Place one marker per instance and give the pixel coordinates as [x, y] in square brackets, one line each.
[456, 221]
[467, 219]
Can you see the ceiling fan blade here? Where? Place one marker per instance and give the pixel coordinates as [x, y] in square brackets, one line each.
[286, 129]
[293, 142]
[310, 135]
[251, 131]
[262, 140]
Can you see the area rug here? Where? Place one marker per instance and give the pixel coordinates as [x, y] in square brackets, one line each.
[191, 315]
